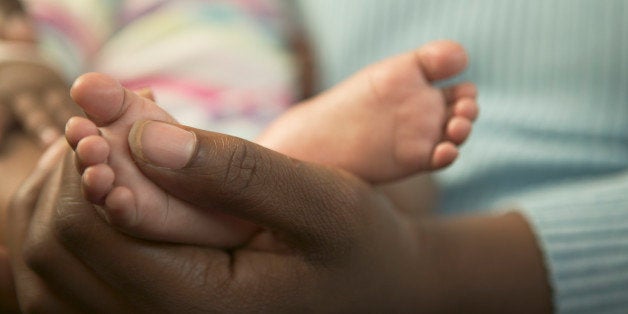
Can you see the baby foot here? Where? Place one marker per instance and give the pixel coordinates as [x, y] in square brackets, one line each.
[111, 180]
[387, 121]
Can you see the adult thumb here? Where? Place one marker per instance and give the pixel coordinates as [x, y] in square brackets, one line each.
[308, 201]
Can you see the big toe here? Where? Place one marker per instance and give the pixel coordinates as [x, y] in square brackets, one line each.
[442, 59]
[100, 96]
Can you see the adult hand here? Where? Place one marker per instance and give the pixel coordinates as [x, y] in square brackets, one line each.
[31, 93]
[15, 24]
[8, 301]
[332, 244]
[21, 154]
[18, 157]
[326, 230]
[36, 97]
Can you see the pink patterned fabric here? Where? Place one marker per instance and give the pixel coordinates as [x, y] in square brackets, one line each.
[219, 65]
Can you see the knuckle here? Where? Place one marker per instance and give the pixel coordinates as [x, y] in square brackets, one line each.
[241, 168]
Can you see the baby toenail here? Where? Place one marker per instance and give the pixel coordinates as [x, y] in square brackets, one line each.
[162, 144]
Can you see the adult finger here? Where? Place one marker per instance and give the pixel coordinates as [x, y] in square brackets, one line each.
[20, 213]
[33, 293]
[26, 195]
[310, 202]
[35, 248]
[17, 26]
[151, 276]
[15, 23]
[59, 105]
[34, 118]
[74, 285]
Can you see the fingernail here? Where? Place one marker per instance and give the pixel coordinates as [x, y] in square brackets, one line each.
[162, 144]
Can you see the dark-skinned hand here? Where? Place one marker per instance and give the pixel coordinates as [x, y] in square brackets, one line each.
[331, 244]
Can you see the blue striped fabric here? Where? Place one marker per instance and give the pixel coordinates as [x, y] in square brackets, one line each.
[552, 139]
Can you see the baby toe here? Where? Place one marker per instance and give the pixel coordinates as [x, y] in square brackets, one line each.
[92, 150]
[466, 90]
[458, 91]
[78, 128]
[467, 108]
[120, 208]
[458, 129]
[444, 154]
[97, 181]
[442, 59]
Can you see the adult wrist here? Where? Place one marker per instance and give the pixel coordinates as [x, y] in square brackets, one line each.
[486, 264]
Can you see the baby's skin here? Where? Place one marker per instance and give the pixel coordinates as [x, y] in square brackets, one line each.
[384, 123]
[387, 121]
